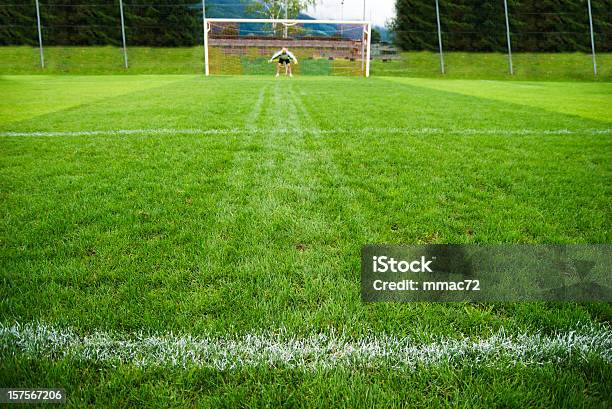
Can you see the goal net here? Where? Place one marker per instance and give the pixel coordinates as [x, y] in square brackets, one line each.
[322, 47]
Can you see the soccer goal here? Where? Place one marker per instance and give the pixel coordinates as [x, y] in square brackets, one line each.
[234, 46]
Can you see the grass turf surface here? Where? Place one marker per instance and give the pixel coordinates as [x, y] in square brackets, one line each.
[239, 205]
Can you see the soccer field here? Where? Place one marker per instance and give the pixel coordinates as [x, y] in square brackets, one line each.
[180, 240]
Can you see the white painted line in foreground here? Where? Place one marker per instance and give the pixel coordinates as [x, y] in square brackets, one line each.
[317, 351]
[239, 131]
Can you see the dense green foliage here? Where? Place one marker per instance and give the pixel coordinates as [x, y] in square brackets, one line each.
[277, 9]
[97, 22]
[155, 23]
[479, 25]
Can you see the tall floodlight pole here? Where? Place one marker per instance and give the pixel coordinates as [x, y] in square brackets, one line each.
[440, 37]
[369, 47]
[205, 26]
[362, 39]
[40, 43]
[508, 38]
[341, 17]
[592, 38]
[125, 56]
[286, 17]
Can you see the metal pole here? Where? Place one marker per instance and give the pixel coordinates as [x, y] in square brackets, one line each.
[341, 17]
[362, 40]
[508, 38]
[40, 43]
[440, 38]
[592, 38]
[286, 17]
[369, 47]
[205, 26]
[125, 56]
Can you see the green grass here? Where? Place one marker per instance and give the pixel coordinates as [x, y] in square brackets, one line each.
[258, 225]
[539, 387]
[459, 65]
[102, 60]
[527, 66]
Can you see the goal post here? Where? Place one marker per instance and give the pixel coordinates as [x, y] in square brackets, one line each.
[234, 46]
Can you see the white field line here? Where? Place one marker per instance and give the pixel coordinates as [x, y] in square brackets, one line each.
[314, 352]
[369, 130]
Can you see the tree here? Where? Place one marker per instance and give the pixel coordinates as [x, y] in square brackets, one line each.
[602, 24]
[276, 8]
[18, 25]
[479, 25]
[163, 23]
[414, 27]
[71, 22]
[457, 21]
[376, 37]
[489, 24]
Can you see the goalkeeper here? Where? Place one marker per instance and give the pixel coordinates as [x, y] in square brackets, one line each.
[284, 57]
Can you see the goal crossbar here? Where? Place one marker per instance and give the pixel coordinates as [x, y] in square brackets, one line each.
[366, 39]
[287, 21]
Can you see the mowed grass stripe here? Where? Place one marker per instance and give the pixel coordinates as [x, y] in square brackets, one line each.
[403, 104]
[219, 298]
[191, 102]
[28, 97]
[327, 281]
[275, 225]
[590, 101]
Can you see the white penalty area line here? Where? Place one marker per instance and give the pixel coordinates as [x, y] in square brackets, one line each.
[368, 130]
[315, 352]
